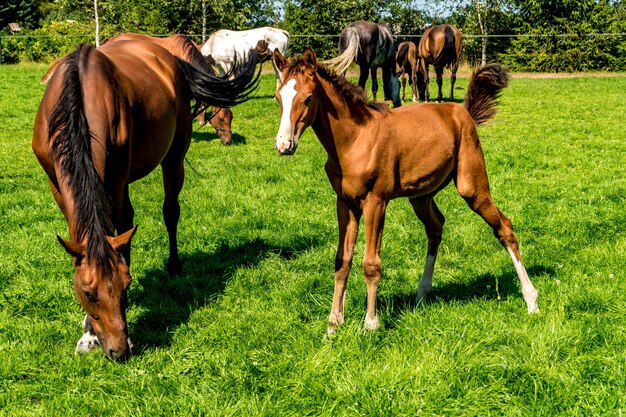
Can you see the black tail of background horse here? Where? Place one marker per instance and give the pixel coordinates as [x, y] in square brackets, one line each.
[222, 92]
[448, 52]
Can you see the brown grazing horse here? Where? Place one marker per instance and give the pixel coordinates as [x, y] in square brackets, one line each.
[407, 62]
[108, 117]
[376, 154]
[183, 47]
[440, 47]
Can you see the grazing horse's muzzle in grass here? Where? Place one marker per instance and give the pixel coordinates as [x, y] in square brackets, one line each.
[101, 288]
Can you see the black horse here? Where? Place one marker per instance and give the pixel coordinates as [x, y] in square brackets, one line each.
[371, 46]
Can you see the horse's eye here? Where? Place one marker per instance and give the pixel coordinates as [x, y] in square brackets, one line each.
[307, 101]
[90, 296]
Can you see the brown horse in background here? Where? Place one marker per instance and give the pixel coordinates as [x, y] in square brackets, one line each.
[376, 154]
[407, 63]
[440, 47]
[183, 47]
[108, 117]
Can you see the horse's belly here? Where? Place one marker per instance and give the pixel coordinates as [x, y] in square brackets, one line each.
[150, 148]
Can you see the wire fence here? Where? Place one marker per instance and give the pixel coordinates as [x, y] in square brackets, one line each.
[472, 43]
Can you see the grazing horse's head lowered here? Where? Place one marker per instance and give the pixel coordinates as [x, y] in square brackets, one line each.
[110, 116]
[101, 283]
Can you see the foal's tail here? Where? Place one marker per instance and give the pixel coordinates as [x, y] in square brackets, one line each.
[483, 91]
[341, 63]
[222, 92]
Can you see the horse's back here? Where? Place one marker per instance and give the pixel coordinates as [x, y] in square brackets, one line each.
[227, 44]
[147, 66]
[440, 43]
[421, 125]
[155, 88]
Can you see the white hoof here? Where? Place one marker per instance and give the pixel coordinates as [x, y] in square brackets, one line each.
[422, 293]
[531, 301]
[371, 324]
[86, 343]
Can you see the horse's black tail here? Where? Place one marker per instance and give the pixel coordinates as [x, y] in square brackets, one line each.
[483, 91]
[71, 138]
[235, 87]
[448, 52]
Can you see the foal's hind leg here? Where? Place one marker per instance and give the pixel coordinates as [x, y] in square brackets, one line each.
[433, 220]
[473, 186]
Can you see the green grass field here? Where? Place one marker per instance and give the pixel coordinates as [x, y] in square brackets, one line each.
[240, 331]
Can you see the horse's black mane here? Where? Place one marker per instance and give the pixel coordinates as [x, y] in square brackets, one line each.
[354, 95]
[71, 148]
[192, 54]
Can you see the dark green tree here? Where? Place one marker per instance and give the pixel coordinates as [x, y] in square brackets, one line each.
[318, 23]
[567, 35]
[26, 13]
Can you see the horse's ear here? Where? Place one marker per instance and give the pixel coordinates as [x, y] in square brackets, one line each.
[279, 60]
[122, 240]
[75, 249]
[309, 59]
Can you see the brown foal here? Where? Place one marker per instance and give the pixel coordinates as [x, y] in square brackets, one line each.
[376, 154]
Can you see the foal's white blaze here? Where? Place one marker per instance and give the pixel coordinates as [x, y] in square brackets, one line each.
[285, 134]
[528, 290]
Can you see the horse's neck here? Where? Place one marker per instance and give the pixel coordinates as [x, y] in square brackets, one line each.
[335, 124]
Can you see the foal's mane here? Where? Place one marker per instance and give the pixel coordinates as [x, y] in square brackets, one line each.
[354, 95]
[71, 149]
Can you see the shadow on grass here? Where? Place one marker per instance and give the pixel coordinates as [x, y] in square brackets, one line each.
[480, 287]
[209, 136]
[168, 301]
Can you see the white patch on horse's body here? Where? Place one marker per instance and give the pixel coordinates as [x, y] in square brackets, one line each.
[226, 46]
[529, 292]
[285, 134]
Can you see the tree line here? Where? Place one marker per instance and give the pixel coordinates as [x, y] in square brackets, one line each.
[532, 35]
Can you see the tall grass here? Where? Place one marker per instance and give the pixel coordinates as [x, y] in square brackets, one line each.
[239, 332]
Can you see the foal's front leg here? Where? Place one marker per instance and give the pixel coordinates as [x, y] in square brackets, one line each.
[348, 228]
[374, 213]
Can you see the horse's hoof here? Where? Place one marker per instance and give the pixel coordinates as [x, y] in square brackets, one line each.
[371, 324]
[86, 343]
[174, 266]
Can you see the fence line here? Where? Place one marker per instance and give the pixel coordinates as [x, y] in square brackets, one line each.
[546, 36]
[397, 35]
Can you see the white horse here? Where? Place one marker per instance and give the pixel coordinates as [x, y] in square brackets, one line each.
[226, 46]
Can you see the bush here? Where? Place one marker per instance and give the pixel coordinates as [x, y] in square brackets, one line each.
[46, 44]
